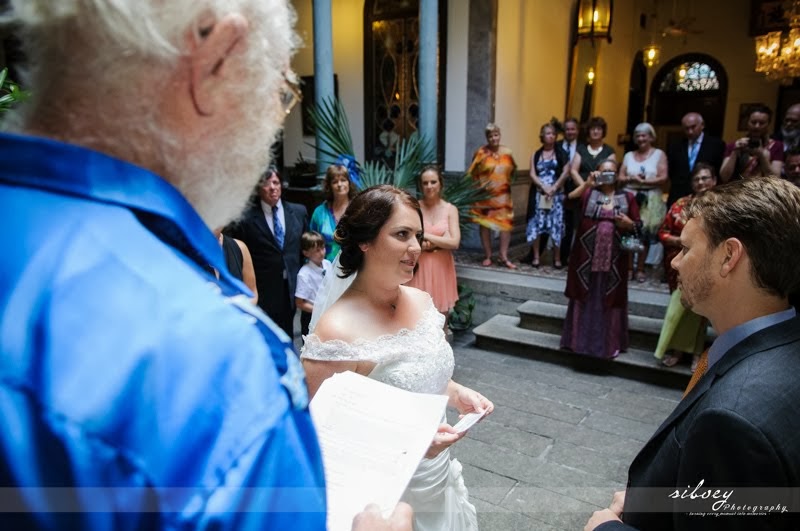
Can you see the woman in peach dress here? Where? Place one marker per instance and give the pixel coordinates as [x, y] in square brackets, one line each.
[437, 269]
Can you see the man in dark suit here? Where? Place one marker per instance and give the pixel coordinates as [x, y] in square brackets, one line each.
[271, 229]
[732, 445]
[683, 155]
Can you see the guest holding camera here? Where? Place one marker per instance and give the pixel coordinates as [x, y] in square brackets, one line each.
[756, 155]
[597, 280]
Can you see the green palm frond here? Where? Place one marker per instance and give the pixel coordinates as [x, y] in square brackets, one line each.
[375, 172]
[331, 125]
[412, 155]
[463, 193]
[10, 93]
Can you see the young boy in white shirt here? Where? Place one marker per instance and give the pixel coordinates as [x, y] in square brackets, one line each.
[309, 278]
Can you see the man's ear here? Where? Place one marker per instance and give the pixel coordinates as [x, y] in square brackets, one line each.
[210, 59]
[734, 252]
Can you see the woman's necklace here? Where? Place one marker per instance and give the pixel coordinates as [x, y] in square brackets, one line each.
[606, 199]
[392, 305]
[593, 151]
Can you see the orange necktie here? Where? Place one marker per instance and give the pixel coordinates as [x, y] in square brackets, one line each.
[702, 367]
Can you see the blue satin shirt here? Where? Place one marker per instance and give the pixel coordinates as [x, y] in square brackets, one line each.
[136, 389]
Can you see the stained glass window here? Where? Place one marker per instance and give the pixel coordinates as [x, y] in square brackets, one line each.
[394, 95]
[690, 77]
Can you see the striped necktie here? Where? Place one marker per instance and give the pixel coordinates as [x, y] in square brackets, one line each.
[277, 227]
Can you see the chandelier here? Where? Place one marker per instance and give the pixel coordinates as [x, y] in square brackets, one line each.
[778, 53]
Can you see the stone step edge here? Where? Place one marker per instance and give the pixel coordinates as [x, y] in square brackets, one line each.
[636, 323]
[547, 284]
[634, 364]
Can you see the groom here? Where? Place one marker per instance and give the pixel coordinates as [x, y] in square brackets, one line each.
[732, 445]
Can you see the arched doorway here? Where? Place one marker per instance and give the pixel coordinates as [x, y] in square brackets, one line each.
[391, 53]
[691, 82]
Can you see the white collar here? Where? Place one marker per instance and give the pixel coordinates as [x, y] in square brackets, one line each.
[266, 207]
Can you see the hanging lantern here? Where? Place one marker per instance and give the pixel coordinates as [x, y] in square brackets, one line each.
[594, 19]
[651, 55]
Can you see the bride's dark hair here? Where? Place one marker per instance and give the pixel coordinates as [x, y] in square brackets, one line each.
[362, 221]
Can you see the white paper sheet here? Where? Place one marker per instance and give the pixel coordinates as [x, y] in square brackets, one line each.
[467, 421]
[373, 437]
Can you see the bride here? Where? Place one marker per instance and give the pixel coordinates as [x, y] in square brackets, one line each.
[393, 333]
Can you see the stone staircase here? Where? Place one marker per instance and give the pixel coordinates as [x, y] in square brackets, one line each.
[523, 314]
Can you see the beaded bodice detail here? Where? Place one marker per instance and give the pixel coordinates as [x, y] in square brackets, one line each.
[417, 359]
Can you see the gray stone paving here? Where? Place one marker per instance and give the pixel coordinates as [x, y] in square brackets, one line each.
[559, 443]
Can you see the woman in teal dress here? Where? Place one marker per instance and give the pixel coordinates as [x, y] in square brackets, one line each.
[339, 190]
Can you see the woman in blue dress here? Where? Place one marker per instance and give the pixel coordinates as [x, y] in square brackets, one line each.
[549, 171]
[338, 190]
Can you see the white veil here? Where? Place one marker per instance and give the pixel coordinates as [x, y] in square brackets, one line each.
[332, 288]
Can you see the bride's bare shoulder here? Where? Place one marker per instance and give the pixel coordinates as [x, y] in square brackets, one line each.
[421, 299]
[337, 322]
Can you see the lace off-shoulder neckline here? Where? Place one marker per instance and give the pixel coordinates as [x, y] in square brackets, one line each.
[360, 341]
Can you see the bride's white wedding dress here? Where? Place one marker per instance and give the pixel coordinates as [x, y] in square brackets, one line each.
[418, 360]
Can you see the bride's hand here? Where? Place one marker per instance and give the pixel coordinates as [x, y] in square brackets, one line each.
[465, 400]
[444, 438]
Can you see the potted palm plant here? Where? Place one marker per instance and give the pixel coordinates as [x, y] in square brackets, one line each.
[413, 153]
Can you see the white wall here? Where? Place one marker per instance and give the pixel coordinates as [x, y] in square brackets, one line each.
[532, 62]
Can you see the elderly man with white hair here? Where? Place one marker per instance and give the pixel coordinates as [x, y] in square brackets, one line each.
[138, 390]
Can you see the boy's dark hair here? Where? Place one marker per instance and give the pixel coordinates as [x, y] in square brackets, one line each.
[311, 240]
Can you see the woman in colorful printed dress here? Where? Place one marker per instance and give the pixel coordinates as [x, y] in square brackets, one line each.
[597, 281]
[683, 330]
[493, 166]
[546, 199]
[338, 190]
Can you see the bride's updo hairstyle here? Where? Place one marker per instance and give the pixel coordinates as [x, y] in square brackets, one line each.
[364, 218]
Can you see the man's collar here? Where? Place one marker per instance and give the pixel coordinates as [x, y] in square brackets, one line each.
[739, 333]
[69, 169]
[266, 207]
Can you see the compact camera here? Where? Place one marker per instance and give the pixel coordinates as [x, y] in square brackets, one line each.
[605, 177]
[753, 143]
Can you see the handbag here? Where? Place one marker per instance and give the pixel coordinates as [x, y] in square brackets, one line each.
[632, 242]
[545, 202]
